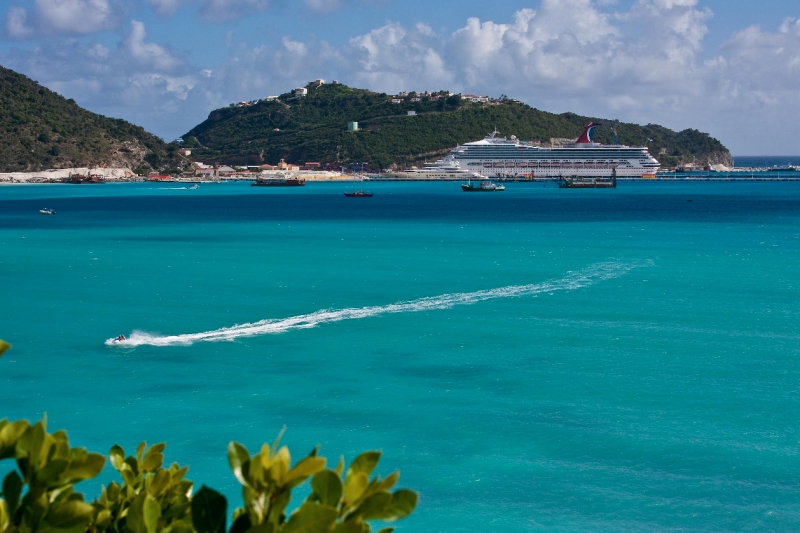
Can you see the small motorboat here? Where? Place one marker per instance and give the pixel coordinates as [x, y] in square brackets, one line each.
[47, 211]
[194, 186]
[358, 194]
[485, 186]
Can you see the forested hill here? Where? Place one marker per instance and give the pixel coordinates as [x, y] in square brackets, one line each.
[41, 129]
[314, 128]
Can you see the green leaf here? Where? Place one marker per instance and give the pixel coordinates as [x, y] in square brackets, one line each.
[328, 486]
[9, 436]
[375, 506]
[354, 487]
[152, 512]
[351, 526]
[86, 466]
[311, 518]
[160, 483]
[102, 520]
[4, 346]
[262, 528]
[238, 456]
[366, 463]
[12, 490]
[135, 518]
[241, 524]
[178, 527]
[52, 471]
[128, 477]
[70, 514]
[117, 456]
[278, 507]
[209, 509]
[140, 450]
[153, 459]
[403, 502]
[387, 483]
[304, 468]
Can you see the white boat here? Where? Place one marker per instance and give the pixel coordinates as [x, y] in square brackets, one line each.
[47, 211]
[193, 186]
[447, 168]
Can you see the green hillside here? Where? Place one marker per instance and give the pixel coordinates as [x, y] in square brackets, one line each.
[314, 128]
[40, 129]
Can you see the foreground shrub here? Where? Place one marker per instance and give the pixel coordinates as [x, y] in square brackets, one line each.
[39, 495]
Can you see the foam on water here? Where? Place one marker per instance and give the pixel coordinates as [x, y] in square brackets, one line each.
[573, 280]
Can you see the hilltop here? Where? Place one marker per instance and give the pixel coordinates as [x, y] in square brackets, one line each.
[314, 128]
[41, 129]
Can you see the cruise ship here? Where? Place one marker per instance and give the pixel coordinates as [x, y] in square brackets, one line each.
[499, 157]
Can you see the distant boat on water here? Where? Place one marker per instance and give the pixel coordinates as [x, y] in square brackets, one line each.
[484, 186]
[82, 179]
[47, 211]
[278, 182]
[357, 193]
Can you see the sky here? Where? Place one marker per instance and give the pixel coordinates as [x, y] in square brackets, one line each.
[728, 68]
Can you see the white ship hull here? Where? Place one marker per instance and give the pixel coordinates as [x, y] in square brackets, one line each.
[503, 158]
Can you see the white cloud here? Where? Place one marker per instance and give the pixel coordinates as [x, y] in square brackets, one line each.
[17, 26]
[149, 54]
[166, 7]
[226, 10]
[74, 16]
[392, 58]
[60, 17]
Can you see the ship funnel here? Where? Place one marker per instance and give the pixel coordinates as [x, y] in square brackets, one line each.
[586, 136]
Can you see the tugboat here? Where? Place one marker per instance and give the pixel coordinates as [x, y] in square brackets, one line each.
[485, 186]
[585, 182]
[358, 194]
[279, 182]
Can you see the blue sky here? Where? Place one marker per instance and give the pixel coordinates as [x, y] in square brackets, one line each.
[731, 69]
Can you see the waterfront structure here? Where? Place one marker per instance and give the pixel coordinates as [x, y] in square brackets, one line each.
[499, 157]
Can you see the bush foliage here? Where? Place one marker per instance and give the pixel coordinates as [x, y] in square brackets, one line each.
[39, 496]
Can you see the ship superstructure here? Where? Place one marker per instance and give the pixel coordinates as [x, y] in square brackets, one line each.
[499, 157]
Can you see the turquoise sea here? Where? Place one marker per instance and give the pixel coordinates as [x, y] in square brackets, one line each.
[537, 359]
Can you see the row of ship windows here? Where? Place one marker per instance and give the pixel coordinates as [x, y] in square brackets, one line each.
[572, 164]
[512, 155]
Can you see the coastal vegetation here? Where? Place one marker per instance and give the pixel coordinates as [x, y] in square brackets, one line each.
[39, 496]
[41, 129]
[314, 128]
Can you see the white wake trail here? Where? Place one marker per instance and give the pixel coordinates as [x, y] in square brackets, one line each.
[573, 280]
